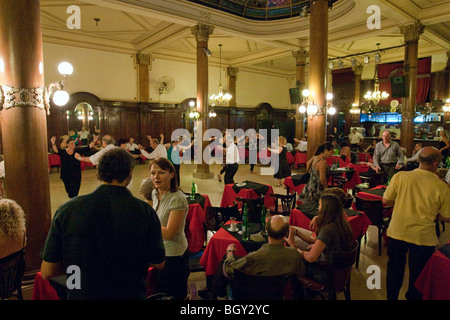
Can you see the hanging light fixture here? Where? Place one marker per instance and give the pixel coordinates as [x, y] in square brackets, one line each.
[376, 96]
[220, 98]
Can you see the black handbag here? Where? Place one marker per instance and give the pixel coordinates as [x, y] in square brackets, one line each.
[304, 178]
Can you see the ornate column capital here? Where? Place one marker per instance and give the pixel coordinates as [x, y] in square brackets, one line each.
[300, 56]
[358, 69]
[144, 59]
[202, 32]
[412, 32]
[232, 71]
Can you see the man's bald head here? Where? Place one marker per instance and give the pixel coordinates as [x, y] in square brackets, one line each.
[429, 159]
[277, 227]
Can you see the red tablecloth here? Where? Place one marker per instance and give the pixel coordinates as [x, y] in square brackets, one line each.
[300, 159]
[216, 249]
[194, 225]
[365, 157]
[229, 196]
[54, 160]
[434, 280]
[335, 159]
[43, 290]
[370, 196]
[359, 223]
[290, 158]
[360, 168]
[291, 187]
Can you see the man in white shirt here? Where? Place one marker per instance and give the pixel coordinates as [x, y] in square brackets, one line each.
[107, 144]
[355, 139]
[231, 160]
[158, 150]
[302, 145]
[84, 136]
[131, 146]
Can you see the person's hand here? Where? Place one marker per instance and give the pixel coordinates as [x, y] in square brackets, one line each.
[231, 247]
[291, 236]
[313, 223]
[398, 166]
[77, 156]
[377, 169]
[140, 147]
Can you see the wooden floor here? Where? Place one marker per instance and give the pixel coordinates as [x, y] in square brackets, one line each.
[214, 189]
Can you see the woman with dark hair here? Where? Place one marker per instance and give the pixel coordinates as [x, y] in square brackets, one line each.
[333, 234]
[171, 206]
[317, 167]
[70, 167]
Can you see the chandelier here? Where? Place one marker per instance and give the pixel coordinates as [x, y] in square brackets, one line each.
[221, 98]
[376, 96]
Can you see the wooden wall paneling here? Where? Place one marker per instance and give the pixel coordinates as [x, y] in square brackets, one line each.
[56, 124]
[172, 120]
[112, 120]
[130, 123]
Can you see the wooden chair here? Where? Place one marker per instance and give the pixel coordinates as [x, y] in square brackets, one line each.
[376, 213]
[338, 273]
[254, 207]
[216, 217]
[11, 274]
[246, 286]
[284, 204]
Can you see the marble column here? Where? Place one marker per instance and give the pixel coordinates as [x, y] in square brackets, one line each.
[300, 63]
[232, 78]
[144, 62]
[357, 70]
[318, 56]
[202, 33]
[23, 121]
[412, 34]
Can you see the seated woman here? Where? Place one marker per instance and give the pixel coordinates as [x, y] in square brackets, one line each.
[317, 167]
[345, 152]
[333, 234]
[12, 227]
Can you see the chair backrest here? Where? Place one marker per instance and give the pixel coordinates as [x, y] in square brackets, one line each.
[340, 269]
[375, 180]
[254, 207]
[372, 208]
[11, 274]
[246, 286]
[215, 217]
[287, 203]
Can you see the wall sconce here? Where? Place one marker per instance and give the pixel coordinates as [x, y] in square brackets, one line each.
[39, 97]
[192, 111]
[313, 109]
[446, 106]
[212, 113]
[330, 65]
[355, 109]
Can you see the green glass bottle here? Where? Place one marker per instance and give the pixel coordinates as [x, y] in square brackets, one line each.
[245, 226]
[263, 219]
[193, 191]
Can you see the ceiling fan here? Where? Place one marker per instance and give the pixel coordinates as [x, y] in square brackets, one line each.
[165, 85]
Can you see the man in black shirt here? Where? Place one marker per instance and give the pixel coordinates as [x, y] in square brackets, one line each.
[111, 237]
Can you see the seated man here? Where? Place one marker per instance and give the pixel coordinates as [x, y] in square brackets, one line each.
[272, 259]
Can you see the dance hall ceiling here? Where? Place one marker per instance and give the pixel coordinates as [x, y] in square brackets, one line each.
[264, 45]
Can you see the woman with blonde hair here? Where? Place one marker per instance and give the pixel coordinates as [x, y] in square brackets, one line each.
[12, 227]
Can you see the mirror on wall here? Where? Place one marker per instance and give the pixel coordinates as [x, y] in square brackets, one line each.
[83, 121]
